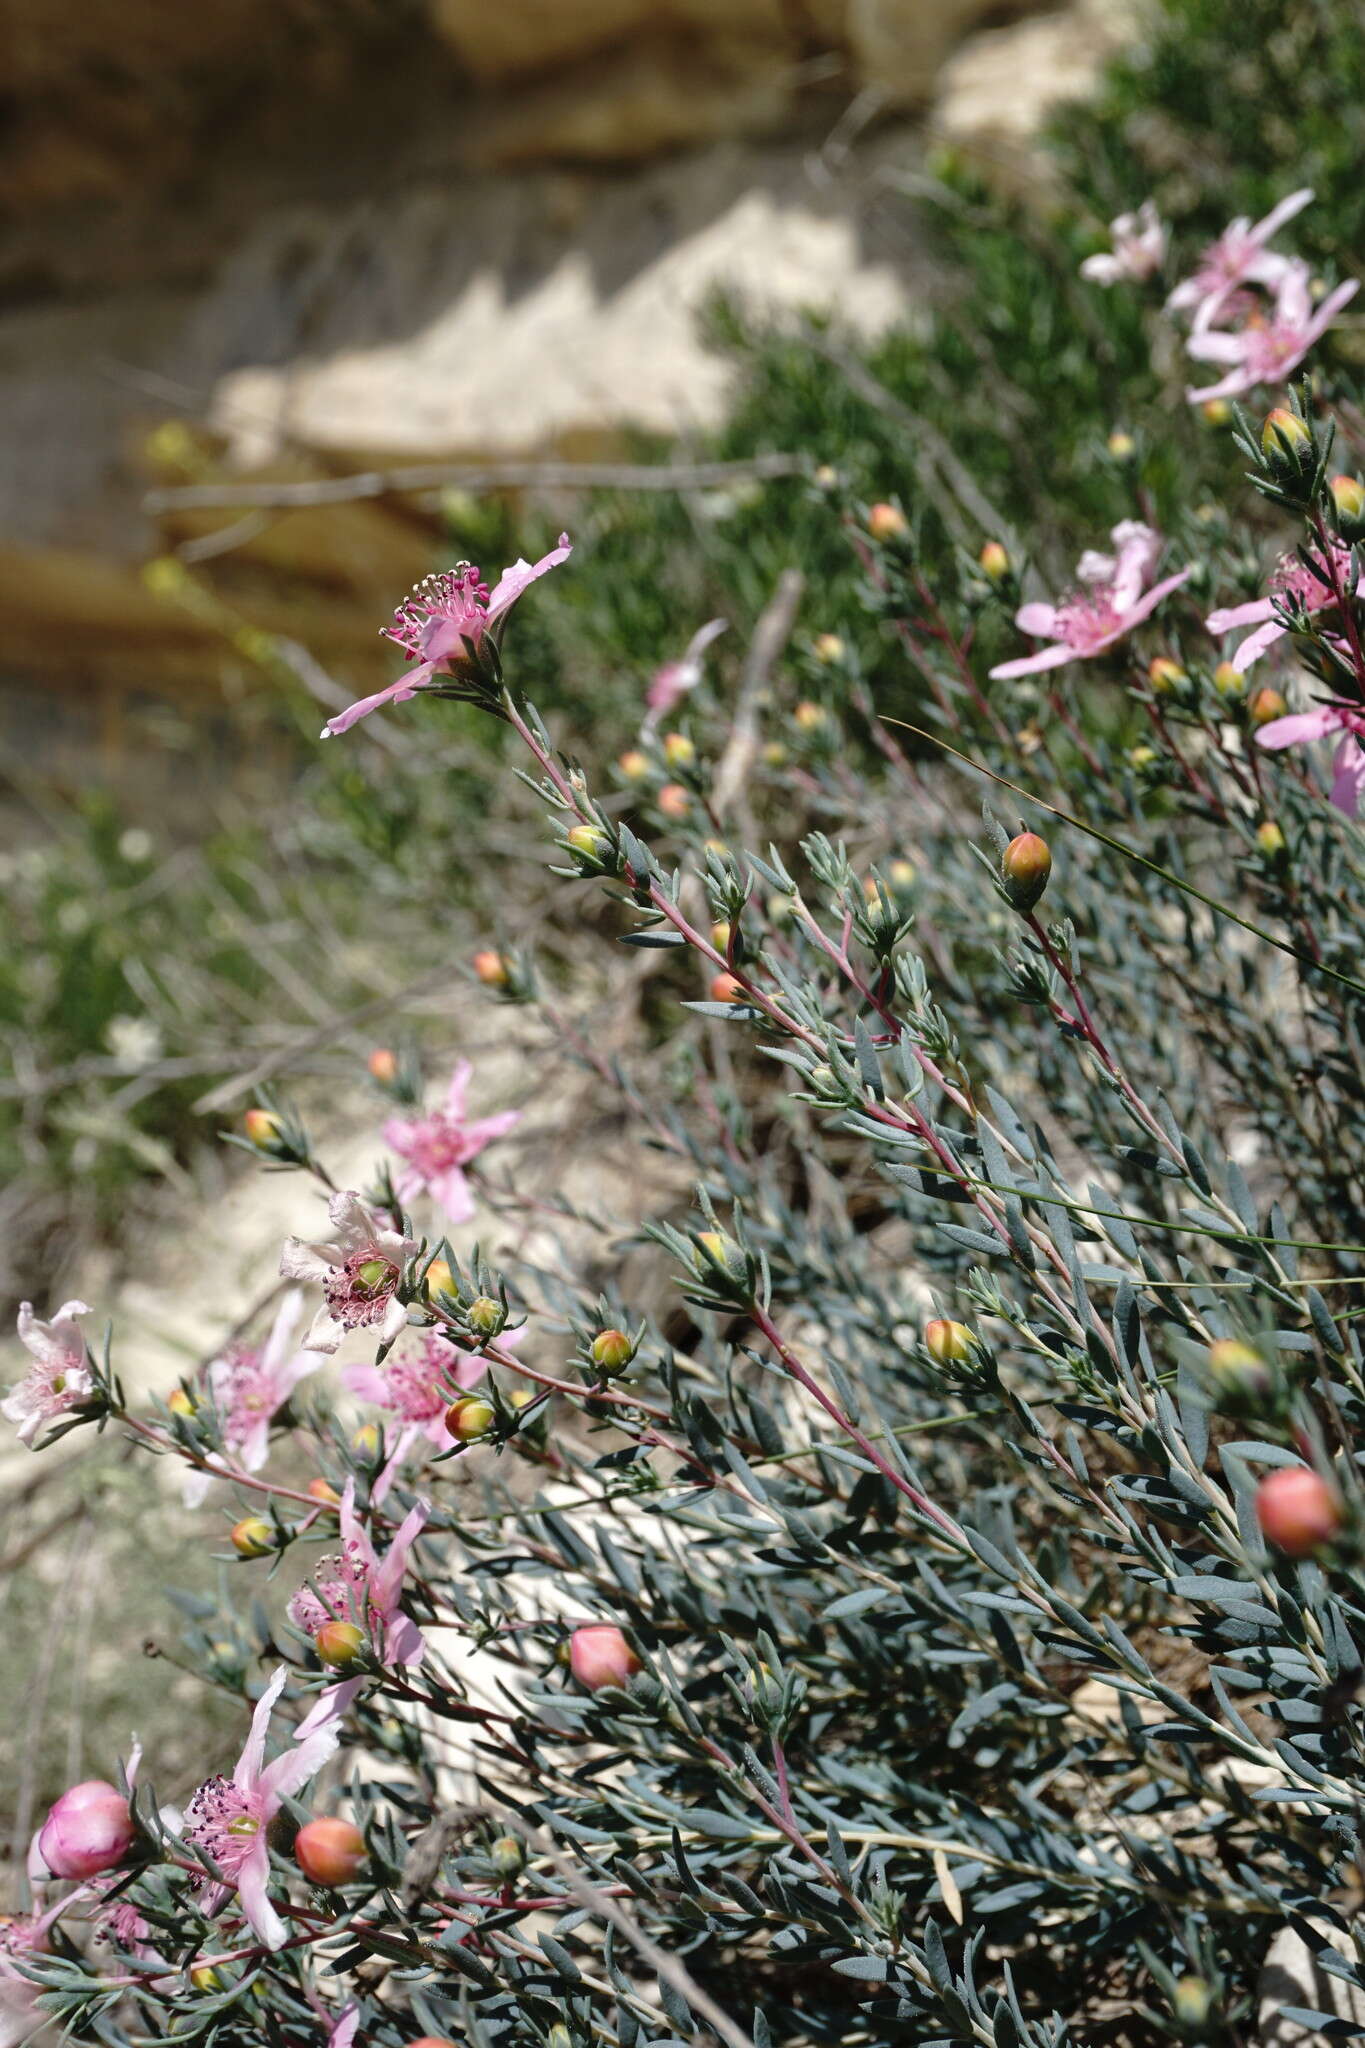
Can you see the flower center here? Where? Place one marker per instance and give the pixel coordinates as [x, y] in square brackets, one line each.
[224, 1822]
[440, 613]
[359, 1291]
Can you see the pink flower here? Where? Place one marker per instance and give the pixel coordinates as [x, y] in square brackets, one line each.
[22, 1937]
[1238, 257]
[1138, 248]
[229, 1818]
[342, 2032]
[361, 1586]
[249, 1384]
[413, 1386]
[676, 678]
[1110, 603]
[59, 1379]
[1266, 350]
[360, 1273]
[433, 623]
[1348, 767]
[87, 1830]
[440, 1145]
[1292, 579]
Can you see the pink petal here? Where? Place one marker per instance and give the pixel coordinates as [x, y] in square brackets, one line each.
[1299, 728]
[486, 1128]
[278, 1343]
[1037, 620]
[1258, 643]
[292, 1768]
[1031, 664]
[400, 1134]
[1232, 386]
[1265, 229]
[1348, 780]
[405, 1643]
[249, 1762]
[256, 1444]
[521, 575]
[330, 1706]
[252, 1880]
[366, 1381]
[1234, 615]
[388, 1579]
[397, 693]
[1148, 602]
[354, 1535]
[458, 1089]
[450, 1191]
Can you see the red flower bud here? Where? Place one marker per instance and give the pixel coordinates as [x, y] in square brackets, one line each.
[329, 1851]
[1298, 1510]
[600, 1655]
[89, 1829]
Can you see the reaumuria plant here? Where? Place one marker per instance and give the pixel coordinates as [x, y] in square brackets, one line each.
[942, 1621]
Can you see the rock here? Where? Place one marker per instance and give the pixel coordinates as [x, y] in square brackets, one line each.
[999, 88]
[1292, 1976]
[899, 46]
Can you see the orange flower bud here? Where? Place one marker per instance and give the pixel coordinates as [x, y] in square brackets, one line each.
[1298, 1510]
[887, 522]
[1228, 681]
[490, 968]
[181, 1403]
[600, 1655]
[948, 1343]
[1270, 839]
[383, 1066]
[674, 801]
[827, 648]
[253, 1537]
[324, 1491]
[339, 1644]
[469, 1419]
[1217, 411]
[809, 716]
[263, 1127]
[1025, 866]
[1265, 705]
[679, 751]
[1165, 675]
[994, 561]
[329, 1851]
[634, 765]
[726, 989]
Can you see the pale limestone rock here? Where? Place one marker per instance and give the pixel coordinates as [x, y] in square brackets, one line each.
[1291, 1976]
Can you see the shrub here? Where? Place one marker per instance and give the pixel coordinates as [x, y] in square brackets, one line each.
[907, 1586]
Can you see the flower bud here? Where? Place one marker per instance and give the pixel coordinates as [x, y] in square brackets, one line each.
[590, 841]
[507, 1856]
[994, 561]
[1217, 412]
[1142, 757]
[490, 968]
[365, 1440]
[900, 874]
[721, 934]
[1192, 2002]
[674, 801]
[716, 1249]
[1270, 839]
[1122, 447]
[827, 648]
[181, 1402]
[826, 476]
[1025, 867]
[1348, 496]
[559, 2036]
[263, 1128]
[89, 1829]
[1298, 1510]
[1238, 1372]
[1265, 705]
[485, 1316]
[1287, 443]
[808, 716]
[774, 753]
[431, 2041]
[469, 1419]
[726, 989]
[323, 1490]
[887, 522]
[339, 1644]
[1228, 681]
[329, 1851]
[679, 752]
[1165, 675]
[206, 1978]
[441, 1280]
[383, 1066]
[600, 1655]
[611, 1350]
[253, 1537]
[948, 1343]
[634, 765]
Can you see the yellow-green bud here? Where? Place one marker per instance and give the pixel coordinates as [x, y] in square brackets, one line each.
[1228, 681]
[1165, 675]
[1270, 839]
[507, 1856]
[1238, 1371]
[901, 873]
[1122, 446]
[679, 751]
[253, 1537]
[1265, 705]
[263, 1128]
[1193, 2002]
[441, 1280]
[827, 647]
[994, 561]
[590, 841]
[1287, 443]
[634, 765]
[181, 1403]
[810, 716]
[485, 1316]
[365, 1441]
[611, 1350]
[1348, 496]
[1217, 412]
[1025, 867]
